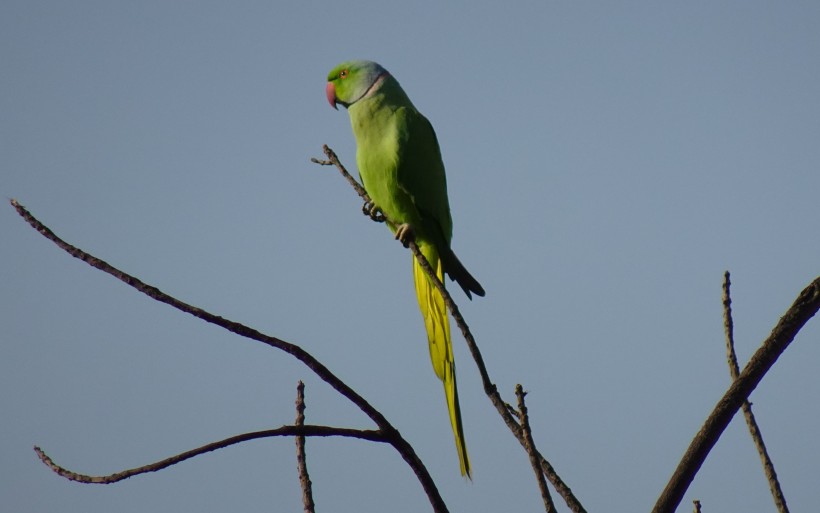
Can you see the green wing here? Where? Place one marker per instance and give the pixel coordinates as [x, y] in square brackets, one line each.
[420, 173]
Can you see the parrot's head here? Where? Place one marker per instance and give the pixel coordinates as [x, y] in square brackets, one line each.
[351, 81]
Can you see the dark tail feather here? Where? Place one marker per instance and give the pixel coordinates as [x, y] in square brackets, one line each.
[458, 273]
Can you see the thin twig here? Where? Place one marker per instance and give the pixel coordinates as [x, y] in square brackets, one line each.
[754, 429]
[549, 506]
[489, 387]
[301, 458]
[333, 160]
[391, 434]
[307, 430]
[803, 309]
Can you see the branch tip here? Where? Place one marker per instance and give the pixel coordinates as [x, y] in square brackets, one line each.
[549, 505]
[746, 405]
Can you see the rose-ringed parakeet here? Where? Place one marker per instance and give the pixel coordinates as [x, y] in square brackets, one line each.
[400, 166]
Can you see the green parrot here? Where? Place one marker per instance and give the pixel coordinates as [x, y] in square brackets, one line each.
[400, 166]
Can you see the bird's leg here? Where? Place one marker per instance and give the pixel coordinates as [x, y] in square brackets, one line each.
[373, 212]
[404, 234]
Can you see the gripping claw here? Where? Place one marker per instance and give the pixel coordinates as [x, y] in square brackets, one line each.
[404, 234]
[373, 212]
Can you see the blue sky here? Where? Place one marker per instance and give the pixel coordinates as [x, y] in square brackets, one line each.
[606, 164]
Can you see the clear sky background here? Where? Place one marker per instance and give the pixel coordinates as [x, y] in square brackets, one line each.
[607, 162]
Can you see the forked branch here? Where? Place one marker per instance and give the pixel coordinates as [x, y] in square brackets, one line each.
[388, 433]
[803, 309]
[489, 387]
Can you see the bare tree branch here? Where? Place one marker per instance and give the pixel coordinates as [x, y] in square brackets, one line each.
[746, 406]
[301, 458]
[390, 434]
[803, 309]
[307, 430]
[549, 506]
[489, 387]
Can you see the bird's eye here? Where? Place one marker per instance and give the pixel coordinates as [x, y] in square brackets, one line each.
[343, 74]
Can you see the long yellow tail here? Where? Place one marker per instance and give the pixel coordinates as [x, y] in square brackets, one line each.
[434, 312]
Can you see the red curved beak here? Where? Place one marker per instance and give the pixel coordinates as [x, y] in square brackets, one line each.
[330, 90]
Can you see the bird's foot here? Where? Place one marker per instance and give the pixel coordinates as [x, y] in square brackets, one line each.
[373, 212]
[404, 234]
